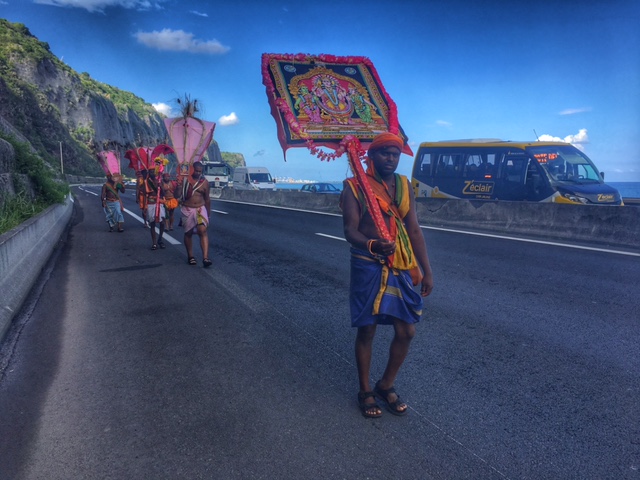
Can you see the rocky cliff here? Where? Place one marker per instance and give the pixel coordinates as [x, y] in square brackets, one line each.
[48, 104]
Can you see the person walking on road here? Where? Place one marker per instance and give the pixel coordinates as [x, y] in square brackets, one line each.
[196, 205]
[383, 272]
[155, 213]
[141, 195]
[170, 202]
[112, 204]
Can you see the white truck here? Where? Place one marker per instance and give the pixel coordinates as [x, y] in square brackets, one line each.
[253, 178]
[218, 174]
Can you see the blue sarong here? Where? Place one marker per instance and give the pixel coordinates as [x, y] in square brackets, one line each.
[113, 212]
[378, 294]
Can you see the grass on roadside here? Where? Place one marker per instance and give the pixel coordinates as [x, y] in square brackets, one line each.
[33, 178]
[17, 209]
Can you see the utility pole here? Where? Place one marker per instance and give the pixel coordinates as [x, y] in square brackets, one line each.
[61, 162]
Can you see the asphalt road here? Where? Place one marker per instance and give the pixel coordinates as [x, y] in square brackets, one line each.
[128, 363]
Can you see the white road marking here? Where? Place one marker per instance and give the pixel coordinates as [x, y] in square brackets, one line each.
[166, 236]
[529, 240]
[504, 237]
[331, 236]
[220, 211]
[281, 208]
[451, 230]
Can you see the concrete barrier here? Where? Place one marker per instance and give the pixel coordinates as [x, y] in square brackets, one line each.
[285, 198]
[24, 251]
[611, 226]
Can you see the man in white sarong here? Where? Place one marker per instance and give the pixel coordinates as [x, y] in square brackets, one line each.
[196, 206]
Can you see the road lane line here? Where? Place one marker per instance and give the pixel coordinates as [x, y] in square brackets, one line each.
[331, 236]
[166, 236]
[451, 230]
[220, 211]
[530, 240]
[281, 208]
[503, 237]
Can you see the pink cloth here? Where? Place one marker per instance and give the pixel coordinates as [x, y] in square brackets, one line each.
[190, 137]
[192, 217]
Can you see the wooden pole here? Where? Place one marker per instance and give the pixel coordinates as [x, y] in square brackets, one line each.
[369, 196]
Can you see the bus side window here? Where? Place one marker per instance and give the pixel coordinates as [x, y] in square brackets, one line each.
[441, 167]
[425, 166]
[534, 179]
[514, 169]
[472, 167]
[488, 167]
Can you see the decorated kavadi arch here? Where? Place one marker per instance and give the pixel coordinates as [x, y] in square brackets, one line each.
[190, 136]
[147, 159]
[110, 163]
[333, 102]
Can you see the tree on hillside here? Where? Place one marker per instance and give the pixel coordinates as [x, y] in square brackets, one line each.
[233, 159]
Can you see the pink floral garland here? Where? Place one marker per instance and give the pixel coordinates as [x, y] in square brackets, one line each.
[290, 118]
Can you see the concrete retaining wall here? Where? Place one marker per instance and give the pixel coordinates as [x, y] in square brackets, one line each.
[611, 226]
[24, 252]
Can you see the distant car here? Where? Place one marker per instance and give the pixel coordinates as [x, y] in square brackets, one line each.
[320, 188]
[130, 183]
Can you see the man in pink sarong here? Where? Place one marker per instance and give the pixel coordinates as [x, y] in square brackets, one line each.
[196, 206]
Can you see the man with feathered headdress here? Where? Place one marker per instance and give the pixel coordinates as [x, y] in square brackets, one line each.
[384, 272]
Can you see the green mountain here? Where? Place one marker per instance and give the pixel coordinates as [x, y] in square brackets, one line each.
[45, 102]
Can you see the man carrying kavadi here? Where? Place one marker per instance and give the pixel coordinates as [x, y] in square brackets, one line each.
[111, 202]
[384, 272]
[170, 202]
[196, 206]
[141, 194]
[155, 211]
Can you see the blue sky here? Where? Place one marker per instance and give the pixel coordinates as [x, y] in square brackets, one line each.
[456, 69]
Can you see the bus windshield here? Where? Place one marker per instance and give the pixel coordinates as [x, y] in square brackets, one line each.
[565, 164]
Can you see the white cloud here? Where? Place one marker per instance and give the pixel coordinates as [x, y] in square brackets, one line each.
[443, 123]
[578, 139]
[162, 108]
[99, 5]
[179, 41]
[231, 119]
[199, 13]
[574, 111]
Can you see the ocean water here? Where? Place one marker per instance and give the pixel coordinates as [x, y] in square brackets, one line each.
[626, 189]
[298, 186]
